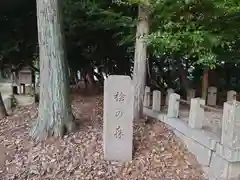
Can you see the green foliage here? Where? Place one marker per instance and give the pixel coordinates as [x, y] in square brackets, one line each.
[197, 30]
[95, 33]
[193, 29]
[102, 33]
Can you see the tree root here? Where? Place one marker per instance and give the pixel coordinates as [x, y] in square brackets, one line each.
[58, 128]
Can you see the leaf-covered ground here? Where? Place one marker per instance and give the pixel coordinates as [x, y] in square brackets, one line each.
[158, 154]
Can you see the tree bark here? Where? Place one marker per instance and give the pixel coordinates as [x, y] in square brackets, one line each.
[205, 83]
[55, 113]
[84, 78]
[184, 81]
[90, 78]
[3, 112]
[140, 59]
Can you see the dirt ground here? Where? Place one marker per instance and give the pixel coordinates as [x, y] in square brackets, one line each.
[158, 154]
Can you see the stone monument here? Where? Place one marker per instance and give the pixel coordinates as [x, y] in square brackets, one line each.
[118, 118]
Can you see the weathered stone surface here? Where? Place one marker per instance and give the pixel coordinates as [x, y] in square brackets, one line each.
[169, 91]
[196, 115]
[221, 169]
[232, 155]
[212, 96]
[118, 118]
[231, 95]
[173, 106]
[226, 125]
[231, 125]
[156, 101]
[7, 100]
[146, 102]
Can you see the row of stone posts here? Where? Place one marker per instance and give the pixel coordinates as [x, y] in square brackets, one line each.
[225, 162]
[196, 114]
[230, 136]
[211, 98]
[225, 158]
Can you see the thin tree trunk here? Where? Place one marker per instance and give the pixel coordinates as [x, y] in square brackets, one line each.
[205, 83]
[184, 81]
[76, 80]
[3, 112]
[84, 78]
[149, 70]
[55, 112]
[140, 59]
[13, 82]
[90, 78]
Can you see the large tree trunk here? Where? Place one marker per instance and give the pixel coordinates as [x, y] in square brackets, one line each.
[140, 59]
[55, 112]
[3, 112]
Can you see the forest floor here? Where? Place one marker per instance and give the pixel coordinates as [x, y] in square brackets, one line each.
[158, 155]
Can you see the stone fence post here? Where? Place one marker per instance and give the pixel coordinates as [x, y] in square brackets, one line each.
[231, 125]
[231, 95]
[225, 163]
[196, 115]
[156, 106]
[173, 105]
[146, 102]
[169, 91]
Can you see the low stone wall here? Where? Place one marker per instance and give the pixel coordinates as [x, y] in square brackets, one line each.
[218, 155]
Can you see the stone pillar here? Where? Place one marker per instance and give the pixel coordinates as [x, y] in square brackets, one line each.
[231, 95]
[196, 115]
[231, 125]
[190, 94]
[169, 91]
[146, 102]
[225, 162]
[118, 118]
[212, 96]
[156, 100]
[173, 105]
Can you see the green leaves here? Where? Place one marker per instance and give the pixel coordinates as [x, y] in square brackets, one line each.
[193, 29]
